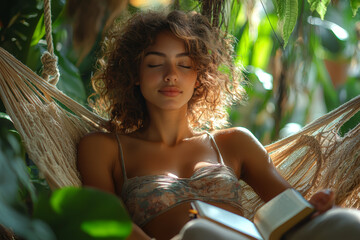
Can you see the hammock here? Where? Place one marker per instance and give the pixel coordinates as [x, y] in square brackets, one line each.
[313, 159]
[51, 124]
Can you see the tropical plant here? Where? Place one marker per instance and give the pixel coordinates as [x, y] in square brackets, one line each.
[285, 46]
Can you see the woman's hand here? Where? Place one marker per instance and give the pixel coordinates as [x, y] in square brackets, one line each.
[322, 201]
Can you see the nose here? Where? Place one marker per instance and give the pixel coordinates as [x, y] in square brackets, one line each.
[171, 74]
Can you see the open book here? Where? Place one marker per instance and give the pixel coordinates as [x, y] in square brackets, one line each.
[271, 221]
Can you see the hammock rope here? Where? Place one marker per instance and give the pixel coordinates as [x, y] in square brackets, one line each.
[317, 157]
[49, 132]
[49, 60]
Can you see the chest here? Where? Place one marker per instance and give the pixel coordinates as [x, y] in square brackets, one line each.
[155, 159]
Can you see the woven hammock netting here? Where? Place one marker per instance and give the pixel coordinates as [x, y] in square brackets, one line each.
[51, 124]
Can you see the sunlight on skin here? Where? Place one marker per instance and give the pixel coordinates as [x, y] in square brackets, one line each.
[172, 175]
[202, 164]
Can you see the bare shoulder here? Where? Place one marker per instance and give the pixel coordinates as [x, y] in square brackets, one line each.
[101, 138]
[238, 137]
[96, 158]
[237, 146]
[234, 132]
[97, 146]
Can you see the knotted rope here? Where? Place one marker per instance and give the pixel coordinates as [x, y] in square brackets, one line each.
[48, 59]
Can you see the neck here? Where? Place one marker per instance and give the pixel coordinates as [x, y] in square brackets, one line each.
[169, 127]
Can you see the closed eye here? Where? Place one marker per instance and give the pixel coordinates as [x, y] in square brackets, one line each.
[154, 65]
[184, 66]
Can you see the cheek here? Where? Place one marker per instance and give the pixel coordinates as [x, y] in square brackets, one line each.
[148, 83]
[191, 83]
[192, 79]
[150, 76]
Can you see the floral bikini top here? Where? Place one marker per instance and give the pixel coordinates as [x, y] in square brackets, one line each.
[146, 197]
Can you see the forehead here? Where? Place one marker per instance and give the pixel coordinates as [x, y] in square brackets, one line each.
[166, 41]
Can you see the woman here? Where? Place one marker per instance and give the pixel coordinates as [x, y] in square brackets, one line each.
[163, 79]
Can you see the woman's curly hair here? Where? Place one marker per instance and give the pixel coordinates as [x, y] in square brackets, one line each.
[218, 79]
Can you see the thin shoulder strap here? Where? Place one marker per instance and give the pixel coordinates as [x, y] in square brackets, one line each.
[121, 156]
[216, 147]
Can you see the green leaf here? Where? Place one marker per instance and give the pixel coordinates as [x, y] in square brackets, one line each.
[104, 228]
[350, 124]
[5, 121]
[320, 6]
[355, 5]
[264, 44]
[12, 167]
[56, 9]
[244, 46]
[330, 96]
[279, 4]
[39, 32]
[16, 37]
[14, 176]
[289, 19]
[34, 56]
[8, 180]
[287, 12]
[235, 12]
[24, 226]
[70, 81]
[84, 213]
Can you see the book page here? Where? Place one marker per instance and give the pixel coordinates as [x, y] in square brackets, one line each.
[227, 219]
[281, 213]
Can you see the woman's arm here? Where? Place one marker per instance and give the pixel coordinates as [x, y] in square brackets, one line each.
[257, 169]
[97, 154]
[260, 173]
[95, 161]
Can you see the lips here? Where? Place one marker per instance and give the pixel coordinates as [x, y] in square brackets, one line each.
[170, 91]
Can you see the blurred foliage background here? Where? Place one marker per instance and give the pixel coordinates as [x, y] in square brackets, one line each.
[301, 60]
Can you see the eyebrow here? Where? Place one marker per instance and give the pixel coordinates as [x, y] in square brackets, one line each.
[184, 54]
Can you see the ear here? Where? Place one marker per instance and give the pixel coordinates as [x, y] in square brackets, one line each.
[197, 84]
